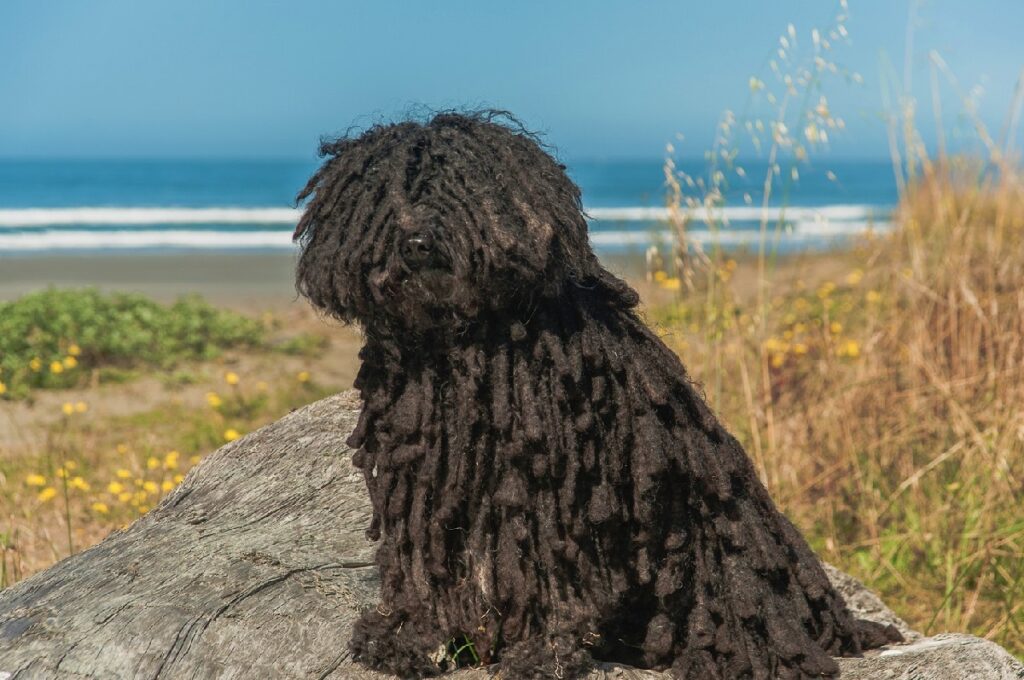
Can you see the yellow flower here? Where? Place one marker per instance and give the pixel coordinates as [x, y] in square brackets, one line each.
[79, 483]
[71, 465]
[123, 474]
[778, 360]
[68, 408]
[47, 494]
[56, 367]
[799, 348]
[854, 277]
[35, 480]
[167, 485]
[826, 289]
[171, 460]
[303, 376]
[143, 508]
[74, 350]
[152, 462]
[835, 327]
[850, 348]
[231, 435]
[36, 364]
[873, 296]
[178, 479]
[100, 507]
[660, 276]
[150, 487]
[70, 362]
[194, 460]
[213, 399]
[124, 496]
[3, 388]
[62, 473]
[231, 378]
[122, 449]
[115, 488]
[81, 407]
[672, 284]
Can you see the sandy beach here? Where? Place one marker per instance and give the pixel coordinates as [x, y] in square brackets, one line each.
[241, 280]
[252, 281]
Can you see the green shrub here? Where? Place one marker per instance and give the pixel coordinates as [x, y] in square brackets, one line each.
[56, 337]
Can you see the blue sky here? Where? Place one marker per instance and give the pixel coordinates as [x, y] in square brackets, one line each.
[602, 79]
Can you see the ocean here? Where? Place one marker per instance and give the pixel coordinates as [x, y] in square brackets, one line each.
[134, 207]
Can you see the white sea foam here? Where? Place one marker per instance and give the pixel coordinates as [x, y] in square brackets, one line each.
[747, 213]
[120, 216]
[120, 240]
[68, 239]
[738, 237]
[53, 217]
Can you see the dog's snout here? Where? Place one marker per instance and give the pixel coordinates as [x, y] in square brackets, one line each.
[418, 248]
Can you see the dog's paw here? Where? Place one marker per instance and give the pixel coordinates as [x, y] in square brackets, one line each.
[542, 658]
[391, 645]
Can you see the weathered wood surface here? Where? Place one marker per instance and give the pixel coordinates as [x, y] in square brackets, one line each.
[256, 566]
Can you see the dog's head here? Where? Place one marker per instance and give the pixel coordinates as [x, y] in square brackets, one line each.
[414, 225]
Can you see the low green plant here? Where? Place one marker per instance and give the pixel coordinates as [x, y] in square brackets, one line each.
[55, 338]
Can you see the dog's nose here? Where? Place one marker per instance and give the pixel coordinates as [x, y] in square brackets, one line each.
[417, 248]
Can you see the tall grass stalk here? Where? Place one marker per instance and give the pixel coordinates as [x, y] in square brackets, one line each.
[881, 396]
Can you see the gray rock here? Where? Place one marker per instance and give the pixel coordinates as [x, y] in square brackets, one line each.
[950, 656]
[865, 603]
[256, 565]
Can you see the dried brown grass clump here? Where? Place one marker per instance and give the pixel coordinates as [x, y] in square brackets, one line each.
[883, 400]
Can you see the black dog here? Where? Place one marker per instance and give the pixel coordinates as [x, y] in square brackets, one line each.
[546, 482]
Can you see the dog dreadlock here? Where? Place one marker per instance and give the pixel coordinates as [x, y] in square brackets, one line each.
[545, 480]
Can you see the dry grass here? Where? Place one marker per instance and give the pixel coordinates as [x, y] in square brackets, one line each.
[885, 407]
[883, 403]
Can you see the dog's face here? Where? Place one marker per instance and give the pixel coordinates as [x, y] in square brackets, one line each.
[418, 225]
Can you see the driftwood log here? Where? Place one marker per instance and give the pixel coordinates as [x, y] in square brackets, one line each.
[257, 564]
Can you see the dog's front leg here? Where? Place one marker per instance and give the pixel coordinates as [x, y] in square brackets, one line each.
[557, 653]
[393, 643]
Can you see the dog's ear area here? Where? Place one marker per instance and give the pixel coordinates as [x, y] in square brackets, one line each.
[570, 259]
[319, 287]
[316, 275]
[607, 286]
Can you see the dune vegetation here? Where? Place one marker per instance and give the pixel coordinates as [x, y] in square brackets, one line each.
[880, 395]
[107, 401]
[878, 389]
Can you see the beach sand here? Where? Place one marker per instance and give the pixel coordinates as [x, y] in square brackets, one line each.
[237, 280]
[243, 281]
